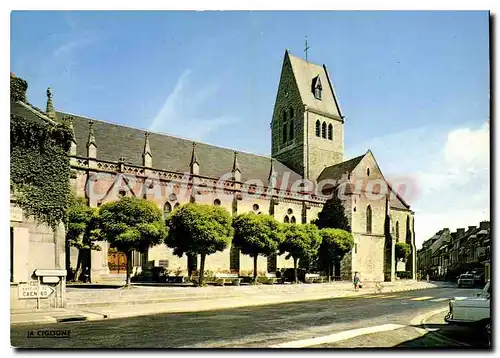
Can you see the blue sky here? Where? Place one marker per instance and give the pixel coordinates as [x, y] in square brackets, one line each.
[414, 86]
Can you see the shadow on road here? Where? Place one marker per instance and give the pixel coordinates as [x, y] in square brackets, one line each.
[449, 336]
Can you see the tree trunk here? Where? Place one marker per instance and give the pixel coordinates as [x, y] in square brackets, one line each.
[202, 269]
[129, 267]
[329, 271]
[79, 262]
[295, 270]
[255, 268]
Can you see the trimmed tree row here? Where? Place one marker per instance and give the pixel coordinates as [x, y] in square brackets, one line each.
[194, 229]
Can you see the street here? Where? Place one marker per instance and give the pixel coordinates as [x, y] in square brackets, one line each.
[272, 325]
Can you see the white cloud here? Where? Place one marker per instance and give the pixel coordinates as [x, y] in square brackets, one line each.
[182, 112]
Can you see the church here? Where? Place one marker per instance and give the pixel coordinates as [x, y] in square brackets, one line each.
[110, 161]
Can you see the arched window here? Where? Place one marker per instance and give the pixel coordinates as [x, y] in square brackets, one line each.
[367, 172]
[368, 219]
[283, 116]
[323, 130]
[397, 231]
[292, 220]
[287, 220]
[284, 133]
[330, 131]
[290, 113]
[167, 208]
[176, 206]
[292, 134]
[317, 128]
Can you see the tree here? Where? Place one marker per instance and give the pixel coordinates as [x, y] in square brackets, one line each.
[256, 235]
[198, 229]
[301, 241]
[131, 224]
[402, 250]
[81, 233]
[335, 244]
[333, 215]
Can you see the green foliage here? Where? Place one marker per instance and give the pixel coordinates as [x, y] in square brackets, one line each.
[18, 88]
[333, 215]
[131, 224]
[301, 241]
[39, 168]
[257, 234]
[402, 250]
[198, 229]
[335, 244]
[82, 225]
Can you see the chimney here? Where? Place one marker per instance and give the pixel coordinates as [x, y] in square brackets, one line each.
[460, 233]
[484, 225]
[472, 227]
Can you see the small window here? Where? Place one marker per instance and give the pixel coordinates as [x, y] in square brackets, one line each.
[397, 230]
[330, 131]
[367, 171]
[122, 193]
[323, 130]
[369, 219]
[255, 207]
[287, 219]
[355, 248]
[317, 128]
[292, 220]
[284, 133]
[317, 92]
[289, 211]
[167, 208]
[216, 202]
[176, 206]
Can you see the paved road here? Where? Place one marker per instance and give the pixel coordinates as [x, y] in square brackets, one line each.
[259, 327]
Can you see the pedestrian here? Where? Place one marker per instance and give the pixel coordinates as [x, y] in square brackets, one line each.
[427, 277]
[356, 281]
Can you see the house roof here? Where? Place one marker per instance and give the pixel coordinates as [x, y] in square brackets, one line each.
[336, 171]
[171, 153]
[305, 72]
[27, 111]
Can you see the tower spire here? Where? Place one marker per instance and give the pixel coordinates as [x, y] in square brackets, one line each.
[51, 113]
[236, 165]
[194, 157]
[147, 157]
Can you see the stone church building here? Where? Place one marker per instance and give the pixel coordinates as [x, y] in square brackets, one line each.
[112, 160]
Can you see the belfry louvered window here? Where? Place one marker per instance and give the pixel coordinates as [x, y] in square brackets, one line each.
[323, 130]
[318, 125]
[330, 132]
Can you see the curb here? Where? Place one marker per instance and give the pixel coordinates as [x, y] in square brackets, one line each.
[88, 315]
[436, 334]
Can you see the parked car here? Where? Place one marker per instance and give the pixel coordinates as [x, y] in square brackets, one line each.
[466, 280]
[472, 311]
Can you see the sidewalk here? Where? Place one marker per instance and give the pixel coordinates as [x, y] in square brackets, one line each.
[154, 300]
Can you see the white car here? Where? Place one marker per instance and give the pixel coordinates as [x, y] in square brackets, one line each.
[471, 310]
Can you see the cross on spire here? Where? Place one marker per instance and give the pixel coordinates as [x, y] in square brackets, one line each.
[306, 48]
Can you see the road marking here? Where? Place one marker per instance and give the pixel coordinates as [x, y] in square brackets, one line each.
[336, 337]
[421, 298]
[404, 298]
[440, 299]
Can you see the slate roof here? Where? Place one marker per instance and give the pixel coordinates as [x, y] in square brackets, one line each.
[305, 72]
[171, 153]
[336, 171]
[27, 111]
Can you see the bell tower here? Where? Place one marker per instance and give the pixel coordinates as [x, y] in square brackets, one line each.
[307, 124]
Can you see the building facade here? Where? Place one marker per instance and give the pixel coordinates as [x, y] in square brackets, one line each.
[307, 162]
